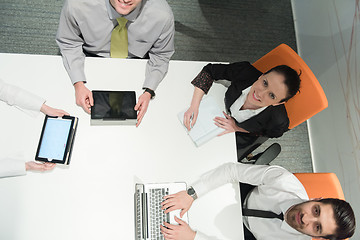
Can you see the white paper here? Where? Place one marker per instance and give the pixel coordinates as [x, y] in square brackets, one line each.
[204, 128]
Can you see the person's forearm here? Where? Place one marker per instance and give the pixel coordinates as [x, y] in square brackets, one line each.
[15, 96]
[74, 60]
[79, 85]
[12, 167]
[240, 129]
[70, 42]
[44, 108]
[156, 69]
[154, 76]
[197, 96]
[230, 173]
[203, 81]
[160, 53]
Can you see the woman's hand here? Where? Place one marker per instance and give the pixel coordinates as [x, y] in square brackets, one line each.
[190, 117]
[192, 113]
[52, 111]
[229, 124]
[35, 166]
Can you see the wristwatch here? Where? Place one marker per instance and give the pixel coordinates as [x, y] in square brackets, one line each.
[191, 192]
[152, 93]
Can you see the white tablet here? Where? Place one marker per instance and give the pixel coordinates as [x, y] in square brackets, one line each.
[56, 140]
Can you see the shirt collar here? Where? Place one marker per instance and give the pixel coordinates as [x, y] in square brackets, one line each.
[113, 14]
[243, 115]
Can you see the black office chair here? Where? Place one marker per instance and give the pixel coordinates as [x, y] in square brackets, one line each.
[263, 158]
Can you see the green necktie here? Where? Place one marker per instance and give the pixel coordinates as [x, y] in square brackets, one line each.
[119, 40]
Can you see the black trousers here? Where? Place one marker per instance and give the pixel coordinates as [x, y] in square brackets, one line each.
[244, 190]
[247, 143]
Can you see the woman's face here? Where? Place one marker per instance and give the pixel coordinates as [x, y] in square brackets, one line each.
[268, 90]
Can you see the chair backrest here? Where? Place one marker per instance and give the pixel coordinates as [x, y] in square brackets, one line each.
[311, 98]
[325, 185]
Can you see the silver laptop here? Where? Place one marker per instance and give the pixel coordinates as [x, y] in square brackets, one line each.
[148, 213]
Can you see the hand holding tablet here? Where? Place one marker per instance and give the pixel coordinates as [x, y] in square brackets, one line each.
[35, 166]
[113, 108]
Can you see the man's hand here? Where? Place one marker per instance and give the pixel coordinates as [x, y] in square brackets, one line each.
[180, 200]
[52, 111]
[190, 117]
[39, 166]
[228, 123]
[177, 232]
[142, 106]
[84, 97]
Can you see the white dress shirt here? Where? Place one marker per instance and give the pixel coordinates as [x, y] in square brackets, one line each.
[26, 101]
[243, 115]
[15, 96]
[277, 190]
[88, 25]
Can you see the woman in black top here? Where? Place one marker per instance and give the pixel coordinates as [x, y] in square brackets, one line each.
[266, 94]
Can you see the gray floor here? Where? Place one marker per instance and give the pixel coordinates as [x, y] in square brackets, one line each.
[206, 30]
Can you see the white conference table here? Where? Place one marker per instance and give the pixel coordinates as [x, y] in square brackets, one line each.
[93, 197]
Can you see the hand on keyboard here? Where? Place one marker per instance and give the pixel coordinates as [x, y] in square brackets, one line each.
[177, 232]
[180, 200]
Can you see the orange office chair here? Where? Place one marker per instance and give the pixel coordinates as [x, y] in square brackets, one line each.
[303, 105]
[317, 185]
[325, 185]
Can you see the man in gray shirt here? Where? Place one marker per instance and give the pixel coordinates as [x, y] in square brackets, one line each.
[85, 28]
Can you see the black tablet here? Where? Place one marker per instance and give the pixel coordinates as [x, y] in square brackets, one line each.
[113, 107]
[56, 140]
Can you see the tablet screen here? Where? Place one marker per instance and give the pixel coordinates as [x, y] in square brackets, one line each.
[55, 138]
[114, 105]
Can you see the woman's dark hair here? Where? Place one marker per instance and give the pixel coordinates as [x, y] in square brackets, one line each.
[292, 80]
[344, 218]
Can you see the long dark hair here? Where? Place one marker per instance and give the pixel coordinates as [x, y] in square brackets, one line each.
[292, 80]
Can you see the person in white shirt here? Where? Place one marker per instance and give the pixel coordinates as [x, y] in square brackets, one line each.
[276, 190]
[15, 96]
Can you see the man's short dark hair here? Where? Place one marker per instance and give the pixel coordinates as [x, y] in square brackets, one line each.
[292, 80]
[344, 217]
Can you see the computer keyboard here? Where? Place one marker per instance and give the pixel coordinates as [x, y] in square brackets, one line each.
[138, 215]
[157, 216]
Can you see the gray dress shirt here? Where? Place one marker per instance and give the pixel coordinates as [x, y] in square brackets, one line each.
[87, 25]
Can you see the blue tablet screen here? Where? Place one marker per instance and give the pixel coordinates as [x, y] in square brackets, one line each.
[55, 137]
